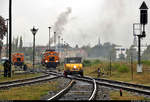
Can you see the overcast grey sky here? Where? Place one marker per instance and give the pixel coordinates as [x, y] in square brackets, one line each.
[111, 20]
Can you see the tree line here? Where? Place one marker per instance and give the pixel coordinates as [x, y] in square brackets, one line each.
[17, 44]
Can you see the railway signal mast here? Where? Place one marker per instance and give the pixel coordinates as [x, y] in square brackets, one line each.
[143, 22]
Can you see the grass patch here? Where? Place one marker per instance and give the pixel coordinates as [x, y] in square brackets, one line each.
[146, 62]
[115, 95]
[87, 63]
[17, 77]
[33, 92]
[123, 69]
[120, 71]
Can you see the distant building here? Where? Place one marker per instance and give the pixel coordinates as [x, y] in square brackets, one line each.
[119, 50]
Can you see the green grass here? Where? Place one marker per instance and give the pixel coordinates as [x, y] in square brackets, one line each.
[32, 92]
[115, 95]
[88, 63]
[17, 77]
[146, 62]
[120, 71]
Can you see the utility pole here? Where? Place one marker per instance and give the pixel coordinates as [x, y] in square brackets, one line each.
[132, 65]
[59, 43]
[10, 34]
[49, 38]
[110, 65]
[55, 40]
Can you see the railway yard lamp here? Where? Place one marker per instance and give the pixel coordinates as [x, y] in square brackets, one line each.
[34, 31]
[143, 21]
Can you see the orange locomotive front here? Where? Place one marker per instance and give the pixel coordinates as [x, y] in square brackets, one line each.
[18, 59]
[50, 58]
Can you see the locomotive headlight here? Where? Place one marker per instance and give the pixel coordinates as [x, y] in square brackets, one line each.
[46, 61]
[56, 60]
[74, 66]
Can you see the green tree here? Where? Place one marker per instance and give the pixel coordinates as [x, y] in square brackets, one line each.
[131, 51]
[113, 53]
[121, 56]
[3, 30]
[146, 54]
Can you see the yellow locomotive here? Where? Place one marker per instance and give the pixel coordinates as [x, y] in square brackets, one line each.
[73, 65]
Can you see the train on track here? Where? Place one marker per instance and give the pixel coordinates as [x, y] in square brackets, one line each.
[73, 65]
[50, 58]
[18, 59]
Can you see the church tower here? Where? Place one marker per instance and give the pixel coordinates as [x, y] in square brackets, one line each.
[99, 43]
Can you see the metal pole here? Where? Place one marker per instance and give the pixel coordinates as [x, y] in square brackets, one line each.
[59, 44]
[49, 38]
[131, 66]
[10, 34]
[110, 65]
[55, 40]
[33, 49]
[139, 49]
[62, 47]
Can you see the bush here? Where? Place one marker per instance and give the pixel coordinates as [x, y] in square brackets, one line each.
[146, 62]
[123, 69]
[96, 62]
[87, 63]
[115, 66]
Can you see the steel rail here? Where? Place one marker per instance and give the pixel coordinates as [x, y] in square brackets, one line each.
[117, 85]
[94, 91]
[21, 80]
[124, 83]
[121, 86]
[60, 93]
[5, 86]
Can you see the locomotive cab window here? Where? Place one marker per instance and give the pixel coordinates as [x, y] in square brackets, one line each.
[54, 54]
[18, 59]
[51, 59]
[73, 60]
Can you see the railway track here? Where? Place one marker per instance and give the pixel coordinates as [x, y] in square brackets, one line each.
[77, 90]
[136, 88]
[17, 83]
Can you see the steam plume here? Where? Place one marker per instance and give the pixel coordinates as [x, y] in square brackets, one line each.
[62, 20]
